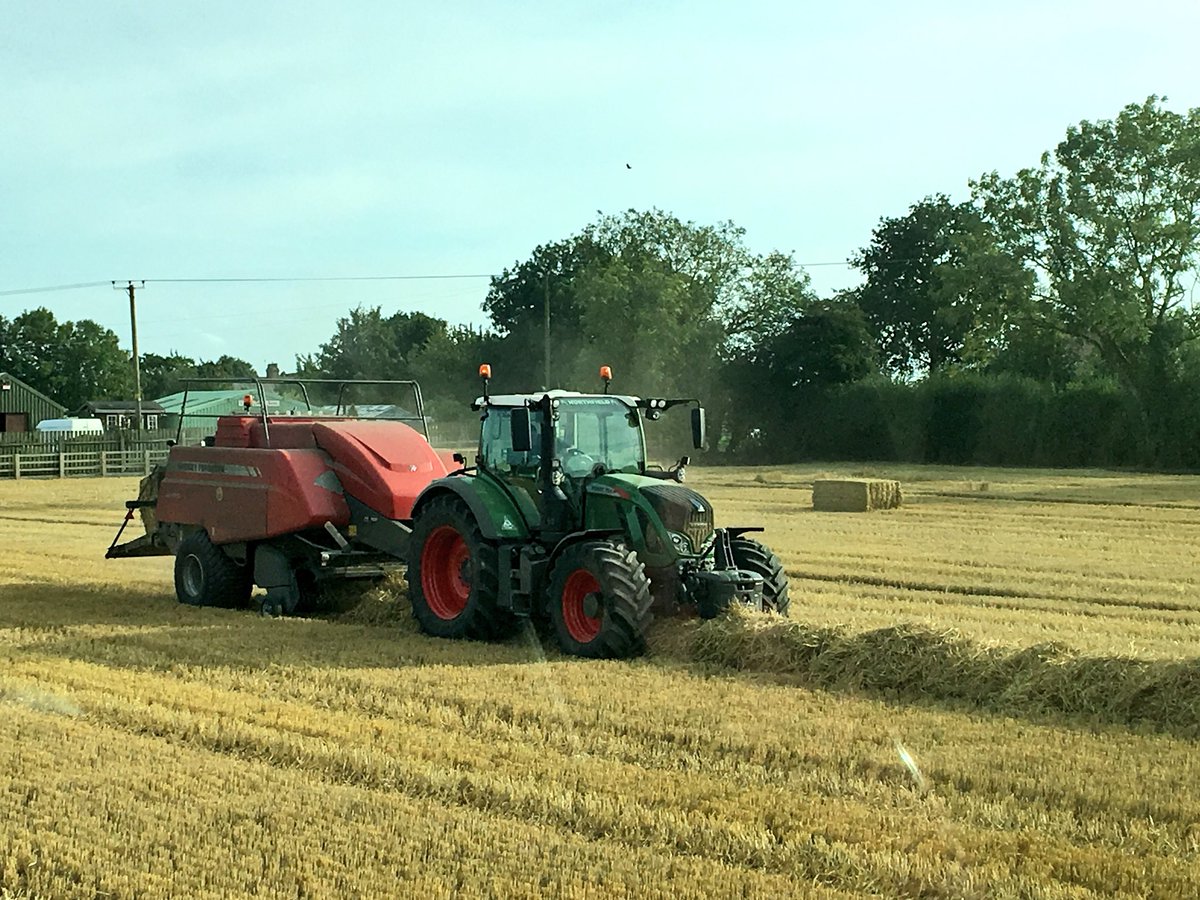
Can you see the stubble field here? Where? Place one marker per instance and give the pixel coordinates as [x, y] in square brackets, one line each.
[148, 749]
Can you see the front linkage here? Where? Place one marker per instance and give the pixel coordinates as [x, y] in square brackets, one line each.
[713, 582]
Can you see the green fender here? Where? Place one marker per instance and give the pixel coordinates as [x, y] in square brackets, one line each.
[497, 514]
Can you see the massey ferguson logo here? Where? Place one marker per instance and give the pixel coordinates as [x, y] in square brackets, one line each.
[214, 469]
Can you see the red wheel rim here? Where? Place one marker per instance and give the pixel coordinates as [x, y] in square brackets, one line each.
[580, 625]
[445, 572]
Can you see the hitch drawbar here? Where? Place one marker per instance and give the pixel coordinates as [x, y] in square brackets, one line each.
[140, 546]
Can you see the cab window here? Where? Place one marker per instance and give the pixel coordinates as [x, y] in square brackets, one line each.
[496, 445]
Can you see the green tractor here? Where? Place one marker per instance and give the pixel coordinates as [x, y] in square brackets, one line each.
[561, 519]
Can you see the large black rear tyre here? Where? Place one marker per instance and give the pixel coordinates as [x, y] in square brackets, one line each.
[453, 575]
[750, 555]
[206, 576]
[599, 601]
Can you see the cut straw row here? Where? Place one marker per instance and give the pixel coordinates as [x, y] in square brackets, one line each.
[910, 662]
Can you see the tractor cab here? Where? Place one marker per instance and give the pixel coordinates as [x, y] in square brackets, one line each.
[550, 446]
[588, 434]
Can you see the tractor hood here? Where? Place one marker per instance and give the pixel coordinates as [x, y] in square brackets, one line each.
[680, 509]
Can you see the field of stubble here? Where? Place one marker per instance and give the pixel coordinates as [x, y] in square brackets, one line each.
[148, 749]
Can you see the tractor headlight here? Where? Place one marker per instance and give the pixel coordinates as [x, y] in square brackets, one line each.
[680, 542]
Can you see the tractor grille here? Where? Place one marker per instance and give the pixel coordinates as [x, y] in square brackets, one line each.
[682, 509]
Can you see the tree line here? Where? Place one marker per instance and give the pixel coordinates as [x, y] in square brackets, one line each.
[1047, 319]
[74, 362]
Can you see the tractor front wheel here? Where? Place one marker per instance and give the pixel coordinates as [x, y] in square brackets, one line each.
[206, 576]
[453, 575]
[752, 556]
[599, 599]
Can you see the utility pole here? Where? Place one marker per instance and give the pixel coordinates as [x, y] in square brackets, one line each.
[137, 365]
[546, 324]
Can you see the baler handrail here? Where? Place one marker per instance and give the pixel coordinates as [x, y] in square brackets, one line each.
[259, 384]
[182, 407]
[262, 405]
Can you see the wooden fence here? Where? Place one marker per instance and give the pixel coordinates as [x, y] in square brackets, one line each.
[57, 456]
[80, 463]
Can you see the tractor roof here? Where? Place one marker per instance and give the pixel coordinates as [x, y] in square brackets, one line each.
[521, 399]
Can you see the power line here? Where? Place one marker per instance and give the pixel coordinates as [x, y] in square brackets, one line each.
[236, 280]
[253, 280]
[54, 287]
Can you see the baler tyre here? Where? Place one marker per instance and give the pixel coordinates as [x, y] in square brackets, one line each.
[752, 556]
[605, 578]
[206, 576]
[454, 575]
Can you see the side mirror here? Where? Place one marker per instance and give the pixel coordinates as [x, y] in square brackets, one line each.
[699, 435]
[460, 459]
[679, 472]
[522, 432]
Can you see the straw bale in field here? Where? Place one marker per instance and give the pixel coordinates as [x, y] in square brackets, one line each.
[855, 494]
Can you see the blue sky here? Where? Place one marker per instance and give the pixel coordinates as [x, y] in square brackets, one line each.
[175, 140]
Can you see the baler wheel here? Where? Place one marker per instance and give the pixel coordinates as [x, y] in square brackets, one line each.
[453, 576]
[206, 576]
[599, 599]
[752, 556]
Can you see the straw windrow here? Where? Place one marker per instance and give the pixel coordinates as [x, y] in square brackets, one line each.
[910, 662]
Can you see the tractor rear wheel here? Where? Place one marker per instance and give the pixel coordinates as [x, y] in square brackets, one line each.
[752, 556]
[206, 576]
[453, 575]
[599, 600]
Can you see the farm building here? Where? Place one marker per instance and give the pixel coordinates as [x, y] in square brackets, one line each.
[203, 407]
[118, 414]
[22, 407]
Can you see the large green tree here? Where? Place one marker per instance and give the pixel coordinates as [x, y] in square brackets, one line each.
[368, 344]
[937, 288]
[825, 344]
[447, 368]
[671, 305]
[640, 316]
[163, 375]
[225, 367]
[71, 362]
[1108, 228]
[518, 298]
[828, 344]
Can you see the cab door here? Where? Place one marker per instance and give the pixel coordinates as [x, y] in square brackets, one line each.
[516, 468]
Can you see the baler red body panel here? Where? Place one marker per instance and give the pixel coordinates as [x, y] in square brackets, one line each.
[249, 494]
[241, 489]
[381, 464]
